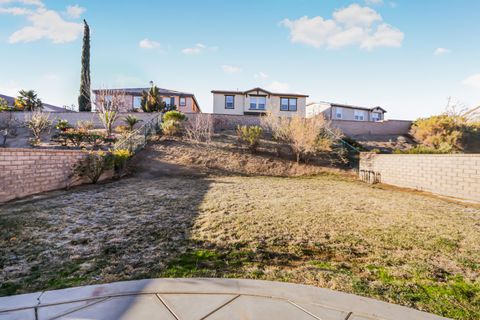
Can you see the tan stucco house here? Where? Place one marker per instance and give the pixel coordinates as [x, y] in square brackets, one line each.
[185, 102]
[335, 111]
[258, 101]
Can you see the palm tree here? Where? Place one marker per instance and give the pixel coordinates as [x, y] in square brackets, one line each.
[131, 121]
[152, 101]
[27, 100]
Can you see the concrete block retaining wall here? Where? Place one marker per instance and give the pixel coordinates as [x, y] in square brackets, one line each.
[349, 128]
[454, 175]
[74, 117]
[25, 172]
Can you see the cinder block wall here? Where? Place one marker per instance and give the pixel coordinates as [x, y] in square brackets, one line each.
[454, 175]
[28, 171]
[370, 128]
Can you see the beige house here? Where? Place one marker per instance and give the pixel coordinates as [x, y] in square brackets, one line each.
[335, 111]
[184, 102]
[258, 101]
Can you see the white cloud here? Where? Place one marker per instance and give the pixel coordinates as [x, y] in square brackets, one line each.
[16, 11]
[37, 3]
[277, 86]
[353, 25]
[148, 44]
[260, 75]
[47, 24]
[473, 81]
[373, 2]
[198, 48]
[441, 51]
[75, 11]
[231, 69]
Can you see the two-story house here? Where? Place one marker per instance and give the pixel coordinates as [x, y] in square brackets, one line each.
[132, 97]
[335, 111]
[258, 101]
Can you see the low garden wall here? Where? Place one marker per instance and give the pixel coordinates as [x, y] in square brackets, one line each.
[25, 172]
[454, 175]
[226, 121]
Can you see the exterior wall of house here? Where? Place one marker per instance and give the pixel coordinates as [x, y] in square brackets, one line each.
[330, 112]
[454, 175]
[128, 104]
[242, 105]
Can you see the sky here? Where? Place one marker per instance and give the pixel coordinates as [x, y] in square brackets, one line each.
[407, 56]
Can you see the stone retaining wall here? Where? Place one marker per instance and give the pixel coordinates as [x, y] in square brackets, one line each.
[25, 172]
[454, 175]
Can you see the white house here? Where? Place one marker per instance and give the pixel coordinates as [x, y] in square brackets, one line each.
[257, 101]
[335, 111]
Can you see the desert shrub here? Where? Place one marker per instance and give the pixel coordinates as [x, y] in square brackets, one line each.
[120, 158]
[4, 105]
[443, 132]
[131, 121]
[62, 125]
[74, 136]
[250, 135]
[423, 150]
[173, 123]
[85, 125]
[171, 128]
[93, 165]
[122, 130]
[306, 136]
[199, 128]
[174, 115]
[38, 123]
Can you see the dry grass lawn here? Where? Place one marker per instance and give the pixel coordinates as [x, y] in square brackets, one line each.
[328, 230]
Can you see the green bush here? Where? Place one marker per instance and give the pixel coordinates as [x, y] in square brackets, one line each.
[171, 128]
[250, 135]
[174, 115]
[63, 125]
[172, 123]
[120, 158]
[93, 165]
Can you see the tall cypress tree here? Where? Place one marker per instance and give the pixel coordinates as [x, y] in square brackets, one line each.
[84, 102]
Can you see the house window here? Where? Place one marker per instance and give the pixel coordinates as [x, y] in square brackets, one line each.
[376, 116]
[167, 101]
[183, 102]
[288, 104]
[137, 102]
[359, 115]
[229, 102]
[258, 103]
[338, 113]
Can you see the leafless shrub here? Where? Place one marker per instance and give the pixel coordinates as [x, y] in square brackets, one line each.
[200, 128]
[306, 137]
